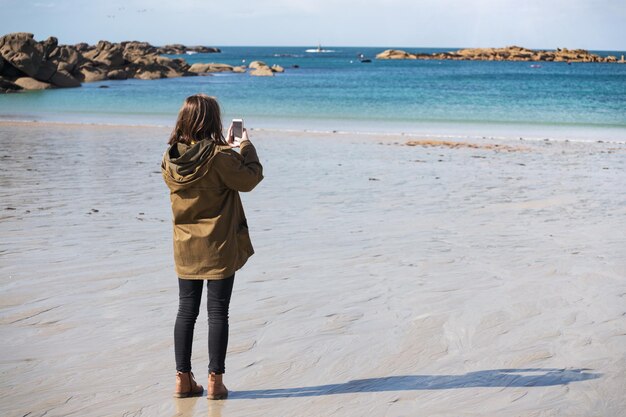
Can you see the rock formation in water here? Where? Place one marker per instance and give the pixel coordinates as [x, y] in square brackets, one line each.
[28, 64]
[261, 69]
[199, 68]
[510, 53]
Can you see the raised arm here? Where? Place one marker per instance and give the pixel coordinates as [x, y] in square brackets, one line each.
[240, 172]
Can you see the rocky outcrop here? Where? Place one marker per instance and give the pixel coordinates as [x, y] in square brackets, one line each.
[108, 54]
[261, 69]
[34, 64]
[395, 54]
[510, 53]
[129, 60]
[20, 51]
[138, 48]
[31, 65]
[47, 64]
[210, 67]
[258, 68]
[178, 49]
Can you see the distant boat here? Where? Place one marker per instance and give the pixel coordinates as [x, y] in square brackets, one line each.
[364, 59]
[190, 52]
[319, 49]
[535, 66]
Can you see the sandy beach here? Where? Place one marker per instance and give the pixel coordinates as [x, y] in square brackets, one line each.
[388, 280]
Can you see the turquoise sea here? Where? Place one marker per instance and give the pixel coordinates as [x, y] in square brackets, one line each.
[335, 91]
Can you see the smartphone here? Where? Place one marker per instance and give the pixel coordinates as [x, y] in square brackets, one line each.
[237, 129]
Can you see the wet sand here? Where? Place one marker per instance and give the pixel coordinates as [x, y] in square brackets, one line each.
[388, 280]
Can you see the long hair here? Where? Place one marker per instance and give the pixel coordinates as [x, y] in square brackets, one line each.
[199, 118]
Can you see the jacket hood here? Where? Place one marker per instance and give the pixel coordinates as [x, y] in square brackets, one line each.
[183, 164]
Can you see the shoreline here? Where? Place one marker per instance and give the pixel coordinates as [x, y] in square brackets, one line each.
[300, 131]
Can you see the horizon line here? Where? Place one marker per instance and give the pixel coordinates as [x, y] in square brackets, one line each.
[217, 45]
[401, 46]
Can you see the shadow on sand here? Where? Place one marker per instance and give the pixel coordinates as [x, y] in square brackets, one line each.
[529, 377]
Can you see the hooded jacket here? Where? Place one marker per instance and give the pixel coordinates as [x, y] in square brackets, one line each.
[211, 239]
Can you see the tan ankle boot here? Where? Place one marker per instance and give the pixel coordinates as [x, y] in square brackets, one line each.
[216, 389]
[186, 385]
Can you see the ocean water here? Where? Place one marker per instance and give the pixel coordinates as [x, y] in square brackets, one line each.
[335, 91]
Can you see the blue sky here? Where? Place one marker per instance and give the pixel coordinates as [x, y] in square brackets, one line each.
[590, 24]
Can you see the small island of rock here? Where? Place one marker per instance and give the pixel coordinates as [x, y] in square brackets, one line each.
[510, 53]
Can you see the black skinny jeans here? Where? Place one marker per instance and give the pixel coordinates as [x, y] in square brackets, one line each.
[218, 300]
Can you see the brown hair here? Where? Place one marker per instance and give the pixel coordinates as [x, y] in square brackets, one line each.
[198, 119]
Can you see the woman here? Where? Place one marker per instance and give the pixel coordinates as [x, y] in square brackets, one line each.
[211, 241]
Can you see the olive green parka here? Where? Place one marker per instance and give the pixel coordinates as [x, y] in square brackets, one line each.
[211, 239]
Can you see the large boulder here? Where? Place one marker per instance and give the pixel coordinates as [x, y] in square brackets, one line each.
[261, 69]
[395, 54]
[22, 52]
[67, 58]
[262, 72]
[210, 67]
[200, 68]
[28, 83]
[107, 53]
[137, 48]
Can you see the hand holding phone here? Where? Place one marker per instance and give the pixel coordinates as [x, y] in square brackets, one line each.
[235, 132]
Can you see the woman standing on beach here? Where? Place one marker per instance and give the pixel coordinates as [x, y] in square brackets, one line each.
[211, 241]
